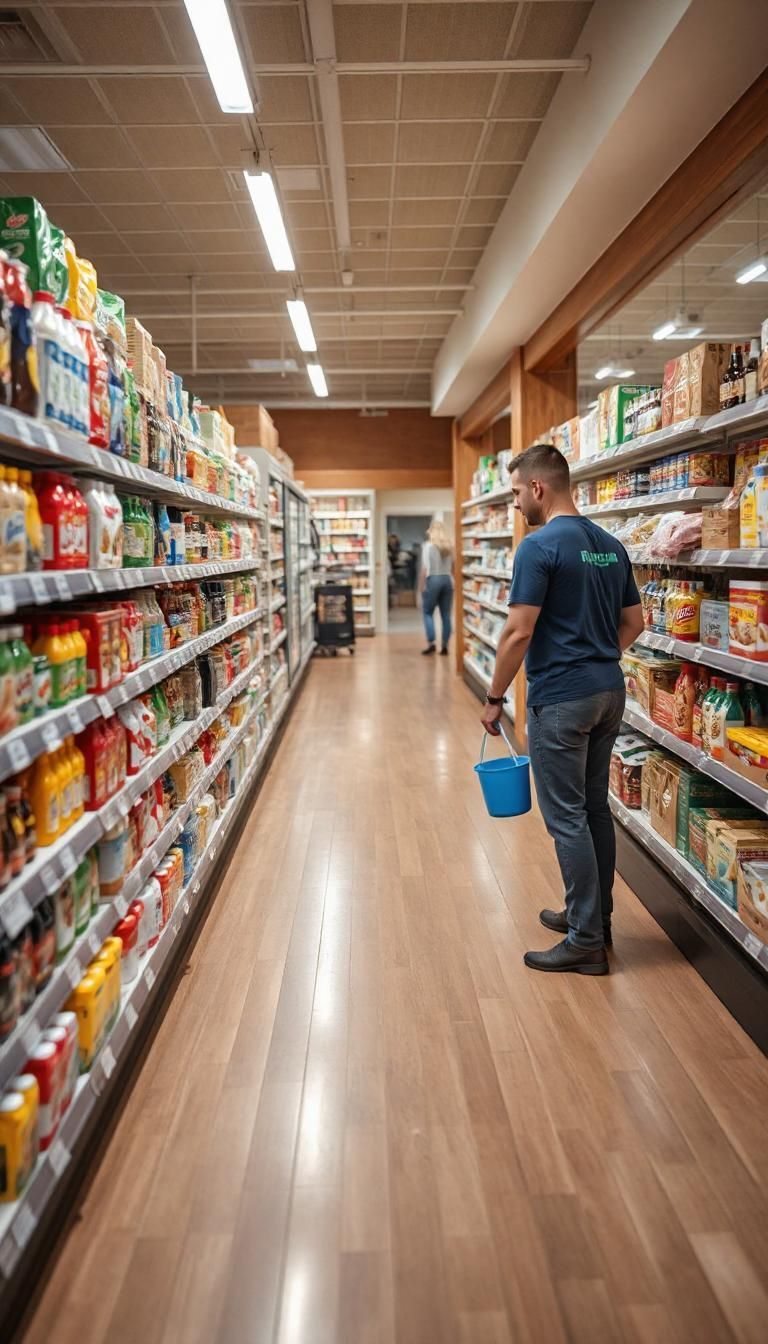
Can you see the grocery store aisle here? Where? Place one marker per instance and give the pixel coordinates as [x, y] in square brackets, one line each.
[363, 1120]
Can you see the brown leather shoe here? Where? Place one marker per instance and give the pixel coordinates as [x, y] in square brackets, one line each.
[557, 920]
[566, 957]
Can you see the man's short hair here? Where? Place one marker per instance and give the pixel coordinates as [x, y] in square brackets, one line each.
[542, 462]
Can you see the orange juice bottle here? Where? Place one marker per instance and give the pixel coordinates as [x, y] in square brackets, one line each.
[63, 768]
[59, 654]
[77, 763]
[80, 651]
[68, 639]
[44, 797]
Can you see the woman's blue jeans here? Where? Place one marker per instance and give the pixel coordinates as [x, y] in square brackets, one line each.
[438, 592]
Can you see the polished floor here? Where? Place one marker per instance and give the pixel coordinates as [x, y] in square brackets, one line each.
[363, 1121]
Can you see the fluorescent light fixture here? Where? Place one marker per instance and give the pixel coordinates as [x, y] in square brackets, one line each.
[687, 333]
[624, 373]
[269, 215]
[297, 311]
[27, 149]
[317, 379]
[213, 30]
[751, 273]
[610, 371]
[666, 330]
[604, 372]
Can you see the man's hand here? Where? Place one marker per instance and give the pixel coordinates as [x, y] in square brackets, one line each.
[490, 719]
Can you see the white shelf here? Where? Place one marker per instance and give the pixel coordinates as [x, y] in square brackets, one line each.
[500, 534]
[27, 590]
[19, 1045]
[692, 494]
[276, 522]
[53, 864]
[498, 607]
[690, 879]
[738, 559]
[480, 634]
[343, 532]
[484, 680]
[356, 609]
[277, 558]
[343, 513]
[306, 613]
[277, 604]
[747, 668]
[481, 573]
[38, 445]
[743, 788]
[492, 497]
[275, 644]
[20, 747]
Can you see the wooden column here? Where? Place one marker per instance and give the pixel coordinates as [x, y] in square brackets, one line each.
[538, 400]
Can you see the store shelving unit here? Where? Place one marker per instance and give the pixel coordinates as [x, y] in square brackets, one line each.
[26, 1222]
[347, 532]
[488, 534]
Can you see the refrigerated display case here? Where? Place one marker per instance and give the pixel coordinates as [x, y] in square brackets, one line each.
[345, 524]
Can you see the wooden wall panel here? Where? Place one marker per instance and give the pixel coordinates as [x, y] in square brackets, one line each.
[721, 172]
[403, 450]
[540, 399]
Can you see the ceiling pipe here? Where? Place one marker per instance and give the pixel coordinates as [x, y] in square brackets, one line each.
[46, 70]
[225, 315]
[304, 404]
[133, 290]
[182, 342]
[323, 39]
[382, 372]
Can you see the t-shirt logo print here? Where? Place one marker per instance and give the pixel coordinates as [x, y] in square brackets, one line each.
[599, 557]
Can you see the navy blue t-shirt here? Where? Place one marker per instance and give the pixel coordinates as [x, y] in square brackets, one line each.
[581, 577]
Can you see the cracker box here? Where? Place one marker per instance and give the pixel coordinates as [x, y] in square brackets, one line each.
[695, 790]
[746, 752]
[698, 819]
[733, 847]
[681, 404]
[706, 365]
[752, 897]
[748, 619]
[668, 393]
[713, 625]
[650, 675]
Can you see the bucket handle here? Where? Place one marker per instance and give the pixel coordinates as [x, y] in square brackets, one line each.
[510, 748]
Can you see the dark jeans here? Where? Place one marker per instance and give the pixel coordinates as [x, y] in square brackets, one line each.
[438, 592]
[570, 746]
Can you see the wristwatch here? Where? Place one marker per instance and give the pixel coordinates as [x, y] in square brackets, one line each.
[495, 699]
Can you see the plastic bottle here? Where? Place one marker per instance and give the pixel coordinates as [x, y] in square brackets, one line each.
[44, 797]
[24, 674]
[33, 523]
[63, 767]
[76, 537]
[98, 387]
[162, 529]
[13, 525]
[9, 714]
[754, 714]
[76, 366]
[708, 708]
[50, 360]
[728, 713]
[80, 654]
[15, 828]
[77, 764]
[58, 653]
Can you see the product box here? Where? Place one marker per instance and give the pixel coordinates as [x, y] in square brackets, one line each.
[664, 783]
[566, 439]
[664, 708]
[682, 402]
[706, 365]
[720, 528]
[668, 393]
[746, 752]
[713, 625]
[695, 850]
[752, 897]
[748, 618]
[140, 354]
[589, 435]
[612, 404]
[649, 675]
[650, 765]
[695, 790]
[733, 847]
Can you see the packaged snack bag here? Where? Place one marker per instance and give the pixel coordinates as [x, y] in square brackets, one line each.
[25, 234]
[59, 269]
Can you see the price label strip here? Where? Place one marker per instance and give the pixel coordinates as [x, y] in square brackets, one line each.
[131, 1016]
[15, 913]
[59, 1157]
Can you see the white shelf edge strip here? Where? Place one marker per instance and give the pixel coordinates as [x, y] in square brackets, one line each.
[36, 589]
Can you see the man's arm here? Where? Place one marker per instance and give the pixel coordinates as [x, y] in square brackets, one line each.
[630, 626]
[512, 648]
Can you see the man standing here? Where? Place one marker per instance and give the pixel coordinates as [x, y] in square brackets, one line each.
[573, 609]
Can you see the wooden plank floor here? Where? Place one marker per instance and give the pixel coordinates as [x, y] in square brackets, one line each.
[364, 1121]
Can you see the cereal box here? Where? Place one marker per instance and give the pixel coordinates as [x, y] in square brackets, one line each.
[752, 897]
[713, 624]
[748, 619]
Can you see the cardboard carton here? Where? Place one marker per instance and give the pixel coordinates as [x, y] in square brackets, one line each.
[720, 528]
[734, 847]
[706, 365]
[695, 851]
[668, 393]
[681, 405]
[752, 898]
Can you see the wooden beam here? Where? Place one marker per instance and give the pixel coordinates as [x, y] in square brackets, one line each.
[720, 173]
[488, 406]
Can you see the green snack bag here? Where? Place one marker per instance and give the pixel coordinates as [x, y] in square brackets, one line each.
[25, 234]
[110, 317]
[59, 286]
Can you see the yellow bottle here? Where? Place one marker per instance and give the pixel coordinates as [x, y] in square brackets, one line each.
[109, 958]
[77, 762]
[17, 1124]
[89, 1003]
[63, 768]
[80, 649]
[59, 654]
[44, 797]
[33, 521]
[68, 640]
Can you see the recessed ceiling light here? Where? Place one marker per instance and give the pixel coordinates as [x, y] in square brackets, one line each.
[27, 149]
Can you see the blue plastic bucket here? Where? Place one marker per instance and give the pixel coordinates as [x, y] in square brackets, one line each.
[506, 782]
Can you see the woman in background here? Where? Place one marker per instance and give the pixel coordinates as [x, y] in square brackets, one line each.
[436, 584]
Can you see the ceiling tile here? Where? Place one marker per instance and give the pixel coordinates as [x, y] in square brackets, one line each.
[67, 102]
[293, 145]
[527, 95]
[134, 32]
[307, 214]
[509, 141]
[93, 147]
[451, 96]
[156, 243]
[439, 142]
[368, 32]
[321, 277]
[551, 30]
[274, 32]
[474, 31]
[427, 237]
[312, 240]
[373, 183]
[109, 243]
[116, 188]
[213, 215]
[284, 98]
[369, 144]
[426, 212]
[483, 211]
[418, 260]
[474, 236]
[449, 180]
[173, 146]
[149, 216]
[11, 111]
[117, 281]
[125, 265]
[190, 184]
[152, 101]
[51, 188]
[366, 97]
[495, 180]
[79, 219]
